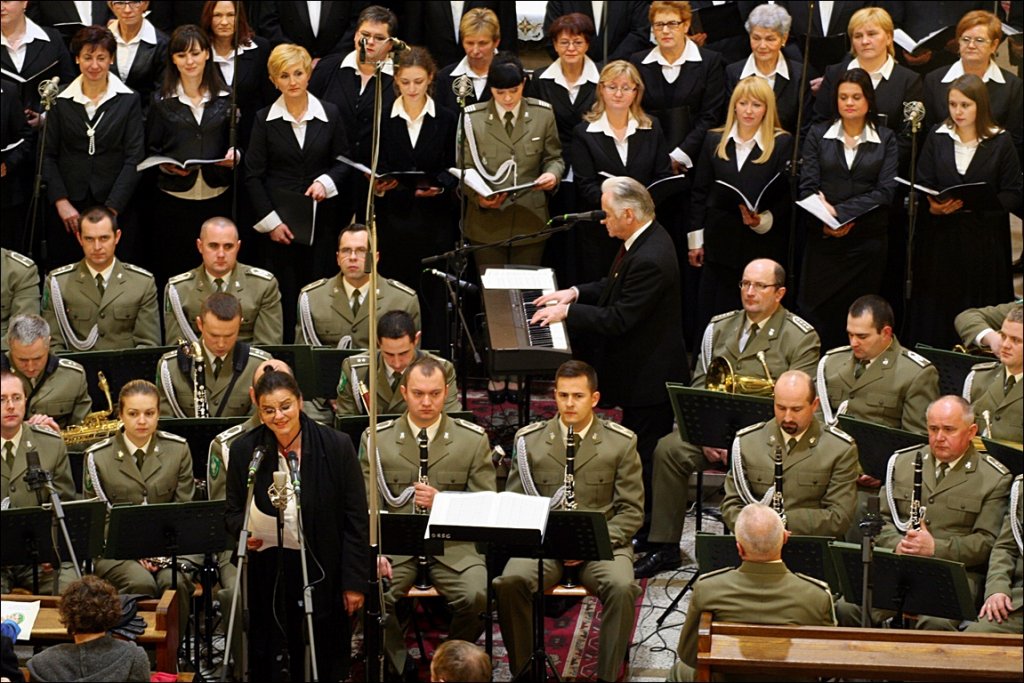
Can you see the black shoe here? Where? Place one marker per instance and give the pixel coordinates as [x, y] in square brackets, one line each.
[660, 560]
[511, 396]
[496, 397]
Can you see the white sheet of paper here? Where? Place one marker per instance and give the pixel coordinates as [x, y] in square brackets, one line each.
[22, 613]
[519, 278]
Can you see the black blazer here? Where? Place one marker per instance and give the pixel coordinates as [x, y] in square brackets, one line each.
[340, 87]
[700, 88]
[567, 114]
[39, 54]
[1006, 102]
[726, 239]
[433, 154]
[903, 85]
[445, 98]
[632, 315]
[274, 158]
[852, 191]
[430, 25]
[838, 24]
[733, 48]
[591, 153]
[252, 86]
[62, 15]
[146, 74]
[787, 93]
[288, 22]
[918, 18]
[172, 131]
[109, 176]
[627, 25]
[18, 160]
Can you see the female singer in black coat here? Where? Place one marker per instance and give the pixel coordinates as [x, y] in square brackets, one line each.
[189, 119]
[142, 70]
[731, 235]
[963, 256]
[333, 522]
[45, 56]
[615, 127]
[294, 150]
[851, 165]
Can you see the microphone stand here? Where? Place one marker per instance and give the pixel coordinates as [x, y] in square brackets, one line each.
[870, 525]
[908, 286]
[233, 123]
[457, 262]
[37, 184]
[39, 479]
[307, 589]
[794, 164]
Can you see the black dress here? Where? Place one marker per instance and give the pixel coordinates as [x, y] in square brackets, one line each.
[336, 527]
[962, 260]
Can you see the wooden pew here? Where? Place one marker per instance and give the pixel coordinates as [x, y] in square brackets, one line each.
[161, 618]
[811, 651]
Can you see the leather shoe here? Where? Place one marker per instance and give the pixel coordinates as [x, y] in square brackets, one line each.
[658, 561]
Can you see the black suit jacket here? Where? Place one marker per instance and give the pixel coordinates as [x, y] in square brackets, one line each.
[631, 316]
[109, 175]
[433, 154]
[918, 18]
[787, 93]
[146, 74]
[62, 15]
[852, 191]
[39, 58]
[274, 158]
[838, 24]
[726, 239]
[430, 25]
[172, 131]
[567, 114]
[18, 160]
[903, 85]
[591, 153]
[734, 48]
[627, 25]
[252, 86]
[288, 22]
[340, 87]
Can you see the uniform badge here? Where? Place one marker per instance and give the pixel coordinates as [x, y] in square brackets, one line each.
[215, 465]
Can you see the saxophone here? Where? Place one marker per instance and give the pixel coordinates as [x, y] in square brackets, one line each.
[916, 511]
[778, 503]
[570, 575]
[194, 350]
[423, 567]
[96, 425]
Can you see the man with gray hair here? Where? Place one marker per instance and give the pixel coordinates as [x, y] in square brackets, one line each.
[761, 590]
[58, 393]
[635, 312]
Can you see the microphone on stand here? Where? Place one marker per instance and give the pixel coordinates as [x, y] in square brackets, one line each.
[278, 491]
[398, 45]
[293, 464]
[362, 50]
[462, 86]
[584, 216]
[257, 457]
[461, 284]
[913, 113]
[36, 477]
[48, 90]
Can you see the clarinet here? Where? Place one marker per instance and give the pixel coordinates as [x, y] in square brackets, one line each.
[570, 575]
[194, 350]
[778, 504]
[422, 567]
[916, 511]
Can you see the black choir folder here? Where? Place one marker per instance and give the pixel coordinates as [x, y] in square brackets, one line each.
[519, 519]
[813, 205]
[297, 211]
[724, 195]
[188, 164]
[934, 41]
[975, 196]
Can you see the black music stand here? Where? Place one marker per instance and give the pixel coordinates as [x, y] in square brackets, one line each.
[1011, 456]
[299, 358]
[805, 554]
[953, 367]
[876, 443]
[326, 369]
[906, 583]
[404, 533]
[27, 535]
[119, 367]
[199, 432]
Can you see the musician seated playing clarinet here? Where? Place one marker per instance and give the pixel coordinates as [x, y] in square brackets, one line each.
[604, 476]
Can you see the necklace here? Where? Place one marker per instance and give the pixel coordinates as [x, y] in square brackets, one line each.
[284, 451]
[91, 132]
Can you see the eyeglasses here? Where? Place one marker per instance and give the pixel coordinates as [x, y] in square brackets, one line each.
[127, 3]
[576, 44]
[756, 286]
[967, 40]
[358, 251]
[662, 25]
[15, 400]
[375, 38]
[621, 89]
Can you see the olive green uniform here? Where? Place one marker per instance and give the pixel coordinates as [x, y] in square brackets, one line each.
[174, 380]
[126, 315]
[971, 323]
[61, 391]
[325, 312]
[985, 388]
[53, 457]
[459, 460]
[112, 475]
[607, 480]
[787, 341]
[356, 369]
[19, 289]
[819, 477]
[753, 593]
[1006, 570]
[257, 293]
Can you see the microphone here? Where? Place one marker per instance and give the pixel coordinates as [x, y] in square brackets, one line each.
[462, 86]
[49, 88]
[257, 457]
[362, 50]
[278, 491]
[399, 45]
[36, 477]
[461, 284]
[293, 464]
[573, 217]
[913, 112]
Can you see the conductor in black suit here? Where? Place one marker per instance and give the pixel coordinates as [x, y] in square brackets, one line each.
[634, 312]
[625, 27]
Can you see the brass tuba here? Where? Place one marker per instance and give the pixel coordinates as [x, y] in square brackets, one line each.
[721, 377]
[97, 425]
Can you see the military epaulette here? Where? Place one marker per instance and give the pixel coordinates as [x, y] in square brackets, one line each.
[750, 428]
[529, 429]
[838, 349]
[478, 106]
[616, 427]
[259, 272]
[1019, 478]
[998, 466]
[723, 570]
[990, 365]
[22, 259]
[359, 359]
[171, 437]
[182, 277]
[99, 444]
[170, 355]
[136, 269]
[387, 424]
[230, 433]
[836, 431]
[539, 103]
[910, 449]
[466, 424]
[45, 431]
[259, 353]
[804, 326]
[817, 582]
[402, 287]
[63, 270]
[916, 357]
[313, 285]
[70, 364]
[724, 316]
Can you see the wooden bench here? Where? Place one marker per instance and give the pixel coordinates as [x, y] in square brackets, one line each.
[161, 618]
[872, 653]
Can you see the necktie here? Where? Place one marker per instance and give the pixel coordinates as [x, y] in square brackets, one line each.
[862, 365]
[9, 453]
[618, 259]
[422, 436]
[140, 457]
[508, 123]
[100, 284]
[751, 333]
[218, 284]
[396, 381]
[1008, 384]
[218, 364]
[790, 445]
[355, 303]
[943, 468]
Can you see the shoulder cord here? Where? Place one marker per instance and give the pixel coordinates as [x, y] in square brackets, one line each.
[345, 342]
[393, 501]
[968, 385]
[168, 384]
[831, 419]
[740, 479]
[1015, 522]
[96, 485]
[179, 314]
[526, 475]
[356, 393]
[890, 469]
[62, 319]
[707, 346]
[306, 318]
[508, 167]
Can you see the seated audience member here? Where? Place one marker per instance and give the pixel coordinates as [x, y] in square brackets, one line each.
[994, 389]
[457, 660]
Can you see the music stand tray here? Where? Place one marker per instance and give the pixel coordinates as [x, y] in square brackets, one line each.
[403, 533]
[199, 432]
[712, 418]
[953, 367]
[805, 554]
[906, 583]
[119, 367]
[876, 443]
[172, 529]
[1011, 456]
[325, 371]
[24, 530]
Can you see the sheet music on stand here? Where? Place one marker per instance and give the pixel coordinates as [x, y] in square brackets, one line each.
[519, 278]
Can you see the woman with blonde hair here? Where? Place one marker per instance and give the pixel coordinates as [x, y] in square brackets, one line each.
[749, 153]
[615, 138]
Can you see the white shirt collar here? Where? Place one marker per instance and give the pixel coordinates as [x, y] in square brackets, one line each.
[132, 447]
[886, 69]
[951, 132]
[602, 126]
[462, 69]
[957, 70]
[690, 54]
[750, 68]
[230, 57]
[33, 31]
[115, 86]
[554, 73]
[314, 110]
[105, 272]
[432, 430]
[633, 238]
[835, 132]
[351, 61]
[515, 111]
[734, 134]
[398, 110]
[16, 439]
[146, 34]
[580, 434]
